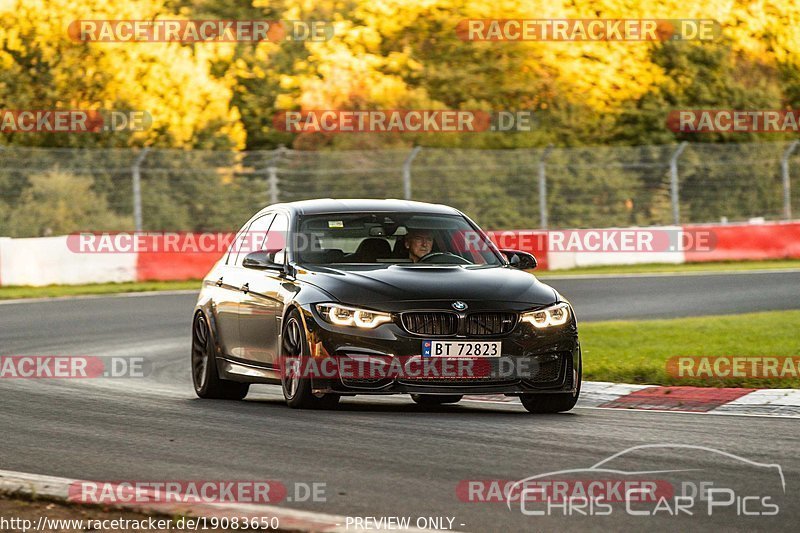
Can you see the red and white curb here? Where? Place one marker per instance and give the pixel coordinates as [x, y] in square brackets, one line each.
[290, 519]
[603, 394]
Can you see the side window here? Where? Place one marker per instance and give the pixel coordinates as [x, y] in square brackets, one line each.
[278, 237]
[251, 240]
[237, 243]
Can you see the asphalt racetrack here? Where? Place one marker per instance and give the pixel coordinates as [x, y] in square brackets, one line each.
[380, 456]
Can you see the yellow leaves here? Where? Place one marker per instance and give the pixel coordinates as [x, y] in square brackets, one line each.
[384, 53]
[11, 40]
[172, 82]
[768, 29]
[284, 101]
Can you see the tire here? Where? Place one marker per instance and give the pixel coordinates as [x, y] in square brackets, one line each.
[297, 390]
[205, 376]
[436, 399]
[553, 403]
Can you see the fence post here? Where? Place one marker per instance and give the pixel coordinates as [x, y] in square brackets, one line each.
[137, 189]
[407, 172]
[272, 175]
[673, 173]
[787, 185]
[543, 187]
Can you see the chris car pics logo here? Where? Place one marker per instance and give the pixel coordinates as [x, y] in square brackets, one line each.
[655, 480]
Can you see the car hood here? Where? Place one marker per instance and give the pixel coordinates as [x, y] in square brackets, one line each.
[392, 286]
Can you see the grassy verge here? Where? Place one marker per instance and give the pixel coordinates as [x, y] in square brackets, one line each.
[637, 351]
[49, 291]
[655, 268]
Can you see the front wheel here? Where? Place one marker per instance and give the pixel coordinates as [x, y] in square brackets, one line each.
[296, 387]
[205, 377]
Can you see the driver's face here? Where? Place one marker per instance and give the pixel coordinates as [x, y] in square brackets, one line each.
[419, 245]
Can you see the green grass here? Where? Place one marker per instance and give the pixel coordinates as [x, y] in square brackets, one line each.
[716, 266]
[49, 291]
[637, 351]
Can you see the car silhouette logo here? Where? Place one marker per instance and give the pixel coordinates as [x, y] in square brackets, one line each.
[459, 306]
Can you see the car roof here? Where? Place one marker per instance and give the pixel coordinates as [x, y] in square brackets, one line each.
[358, 205]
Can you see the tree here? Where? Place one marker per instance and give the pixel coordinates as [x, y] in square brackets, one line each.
[43, 68]
[59, 203]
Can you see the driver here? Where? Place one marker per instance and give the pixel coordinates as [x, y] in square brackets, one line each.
[419, 243]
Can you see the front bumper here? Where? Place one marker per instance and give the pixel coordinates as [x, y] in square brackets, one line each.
[533, 361]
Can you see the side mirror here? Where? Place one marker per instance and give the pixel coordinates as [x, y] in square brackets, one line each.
[520, 260]
[262, 260]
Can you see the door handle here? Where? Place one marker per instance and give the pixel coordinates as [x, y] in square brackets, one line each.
[245, 287]
[219, 282]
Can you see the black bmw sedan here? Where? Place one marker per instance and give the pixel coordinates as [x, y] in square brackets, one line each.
[332, 298]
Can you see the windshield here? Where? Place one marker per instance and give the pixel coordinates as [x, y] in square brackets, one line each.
[392, 238]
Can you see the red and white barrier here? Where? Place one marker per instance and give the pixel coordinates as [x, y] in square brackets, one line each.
[57, 260]
[181, 265]
[736, 242]
[564, 249]
[49, 261]
[646, 245]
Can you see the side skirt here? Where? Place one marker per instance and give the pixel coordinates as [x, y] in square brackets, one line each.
[247, 373]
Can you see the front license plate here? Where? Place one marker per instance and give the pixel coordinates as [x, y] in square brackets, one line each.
[431, 348]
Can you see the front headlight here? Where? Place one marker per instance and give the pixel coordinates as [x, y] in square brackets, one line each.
[352, 316]
[556, 315]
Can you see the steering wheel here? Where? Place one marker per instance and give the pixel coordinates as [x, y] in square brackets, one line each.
[444, 258]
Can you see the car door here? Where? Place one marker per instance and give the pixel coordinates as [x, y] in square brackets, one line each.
[228, 281]
[225, 298]
[261, 303]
